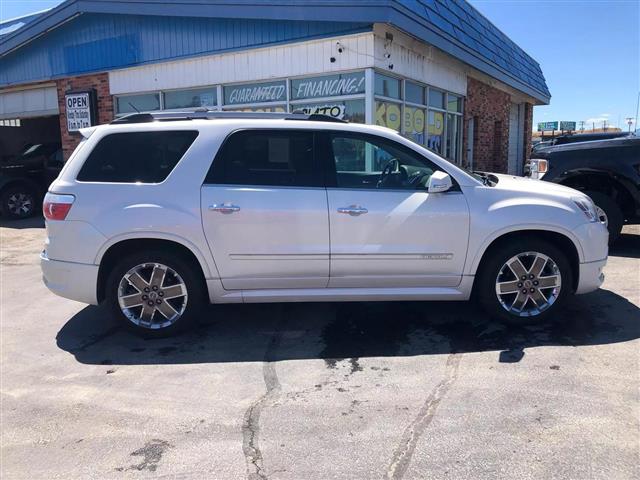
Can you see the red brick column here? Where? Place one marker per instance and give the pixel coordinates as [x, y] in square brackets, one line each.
[528, 130]
[490, 107]
[99, 82]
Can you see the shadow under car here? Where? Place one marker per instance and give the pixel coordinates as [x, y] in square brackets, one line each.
[335, 331]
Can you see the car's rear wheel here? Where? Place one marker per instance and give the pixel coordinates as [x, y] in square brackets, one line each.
[609, 213]
[18, 202]
[524, 282]
[155, 294]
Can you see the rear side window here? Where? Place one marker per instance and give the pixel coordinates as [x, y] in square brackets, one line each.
[267, 157]
[144, 157]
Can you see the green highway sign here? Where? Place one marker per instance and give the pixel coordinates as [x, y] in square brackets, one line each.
[570, 126]
[546, 126]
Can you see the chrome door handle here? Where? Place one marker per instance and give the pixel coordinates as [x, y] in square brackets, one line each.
[353, 210]
[224, 208]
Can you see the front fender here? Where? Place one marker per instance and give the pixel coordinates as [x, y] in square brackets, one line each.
[521, 227]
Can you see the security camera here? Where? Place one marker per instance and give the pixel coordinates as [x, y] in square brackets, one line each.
[332, 59]
[387, 55]
[340, 47]
[391, 66]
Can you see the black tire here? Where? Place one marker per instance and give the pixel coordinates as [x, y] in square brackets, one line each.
[19, 201]
[485, 283]
[615, 219]
[187, 271]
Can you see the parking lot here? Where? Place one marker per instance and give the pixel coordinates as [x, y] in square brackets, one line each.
[300, 391]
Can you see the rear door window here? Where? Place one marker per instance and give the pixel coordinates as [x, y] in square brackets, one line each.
[136, 157]
[267, 157]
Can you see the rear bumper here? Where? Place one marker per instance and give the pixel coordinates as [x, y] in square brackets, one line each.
[76, 281]
[591, 276]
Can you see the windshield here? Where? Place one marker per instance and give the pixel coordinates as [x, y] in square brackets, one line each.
[32, 149]
[483, 177]
[436, 157]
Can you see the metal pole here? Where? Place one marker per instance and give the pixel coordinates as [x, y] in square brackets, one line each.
[637, 108]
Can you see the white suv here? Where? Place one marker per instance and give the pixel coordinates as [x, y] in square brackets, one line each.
[156, 214]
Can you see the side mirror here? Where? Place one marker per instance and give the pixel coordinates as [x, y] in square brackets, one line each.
[439, 182]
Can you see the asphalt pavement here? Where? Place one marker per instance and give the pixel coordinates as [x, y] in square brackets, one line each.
[318, 391]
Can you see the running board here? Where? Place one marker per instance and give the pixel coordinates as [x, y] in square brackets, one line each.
[461, 292]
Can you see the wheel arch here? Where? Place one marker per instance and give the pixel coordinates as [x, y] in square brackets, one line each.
[10, 182]
[602, 182]
[564, 240]
[111, 252]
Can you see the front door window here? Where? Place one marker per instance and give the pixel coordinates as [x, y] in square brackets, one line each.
[365, 161]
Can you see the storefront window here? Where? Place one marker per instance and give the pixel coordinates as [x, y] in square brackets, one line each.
[327, 86]
[195, 98]
[426, 115]
[145, 102]
[413, 93]
[436, 98]
[453, 130]
[388, 115]
[349, 110]
[265, 108]
[435, 128]
[414, 127]
[387, 86]
[255, 93]
[454, 103]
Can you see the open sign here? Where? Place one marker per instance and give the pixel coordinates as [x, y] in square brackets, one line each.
[79, 110]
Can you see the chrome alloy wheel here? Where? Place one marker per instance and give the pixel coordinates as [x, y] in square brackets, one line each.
[528, 284]
[152, 295]
[20, 204]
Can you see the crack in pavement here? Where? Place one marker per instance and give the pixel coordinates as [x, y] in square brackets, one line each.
[403, 453]
[251, 422]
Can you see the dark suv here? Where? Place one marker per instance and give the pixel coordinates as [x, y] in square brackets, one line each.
[24, 179]
[606, 170]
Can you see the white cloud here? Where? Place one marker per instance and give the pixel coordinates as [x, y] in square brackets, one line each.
[597, 120]
[605, 114]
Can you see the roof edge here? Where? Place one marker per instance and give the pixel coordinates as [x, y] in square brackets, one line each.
[365, 11]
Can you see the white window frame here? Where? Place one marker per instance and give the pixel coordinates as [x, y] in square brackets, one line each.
[403, 104]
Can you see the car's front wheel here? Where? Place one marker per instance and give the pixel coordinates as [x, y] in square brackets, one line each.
[155, 294]
[524, 281]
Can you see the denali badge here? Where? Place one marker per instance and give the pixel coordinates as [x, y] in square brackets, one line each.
[437, 256]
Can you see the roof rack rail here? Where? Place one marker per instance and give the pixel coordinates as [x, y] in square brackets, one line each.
[316, 117]
[203, 114]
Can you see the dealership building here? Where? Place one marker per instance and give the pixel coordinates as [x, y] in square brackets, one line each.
[437, 71]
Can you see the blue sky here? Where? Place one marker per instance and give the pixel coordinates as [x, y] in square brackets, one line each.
[589, 51]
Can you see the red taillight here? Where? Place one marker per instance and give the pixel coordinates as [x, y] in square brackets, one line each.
[56, 206]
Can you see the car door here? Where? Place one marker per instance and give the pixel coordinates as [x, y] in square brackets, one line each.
[385, 229]
[264, 211]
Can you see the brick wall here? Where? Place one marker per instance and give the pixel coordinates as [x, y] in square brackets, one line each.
[490, 108]
[528, 125]
[99, 82]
